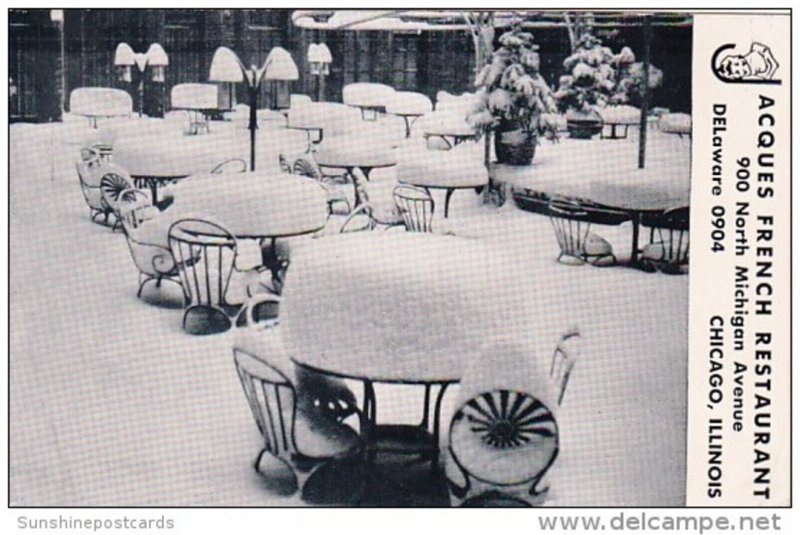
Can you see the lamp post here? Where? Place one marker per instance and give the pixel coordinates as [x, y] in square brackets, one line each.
[125, 59]
[319, 61]
[227, 67]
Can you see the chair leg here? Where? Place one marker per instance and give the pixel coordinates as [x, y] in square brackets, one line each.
[147, 279]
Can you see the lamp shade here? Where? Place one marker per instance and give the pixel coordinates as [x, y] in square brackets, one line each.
[319, 53]
[225, 66]
[280, 65]
[325, 53]
[156, 56]
[124, 55]
[313, 53]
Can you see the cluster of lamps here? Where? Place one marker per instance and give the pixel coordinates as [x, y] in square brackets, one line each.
[155, 58]
[228, 68]
[277, 67]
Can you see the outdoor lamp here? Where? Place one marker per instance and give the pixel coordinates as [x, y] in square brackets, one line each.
[319, 59]
[125, 58]
[280, 71]
[227, 67]
[157, 58]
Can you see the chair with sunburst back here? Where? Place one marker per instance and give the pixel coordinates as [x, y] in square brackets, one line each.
[115, 180]
[304, 444]
[415, 206]
[503, 437]
[150, 254]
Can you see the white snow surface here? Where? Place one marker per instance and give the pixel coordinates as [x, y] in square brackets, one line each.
[111, 403]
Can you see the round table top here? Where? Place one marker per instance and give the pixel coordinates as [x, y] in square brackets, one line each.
[352, 308]
[638, 196]
[355, 151]
[319, 115]
[367, 95]
[170, 153]
[675, 123]
[251, 205]
[620, 115]
[409, 103]
[445, 123]
[461, 167]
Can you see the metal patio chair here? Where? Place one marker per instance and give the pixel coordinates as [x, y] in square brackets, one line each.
[306, 166]
[501, 443]
[304, 444]
[416, 207]
[572, 220]
[366, 213]
[205, 254]
[88, 169]
[154, 261]
[113, 183]
[668, 249]
[564, 358]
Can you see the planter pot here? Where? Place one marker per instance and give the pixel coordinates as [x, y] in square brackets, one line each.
[514, 146]
[584, 126]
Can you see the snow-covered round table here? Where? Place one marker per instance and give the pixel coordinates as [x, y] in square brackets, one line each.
[619, 116]
[355, 152]
[253, 205]
[351, 309]
[446, 125]
[168, 155]
[99, 102]
[459, 168]
[367, 96]
[410, 106]
[676, 123]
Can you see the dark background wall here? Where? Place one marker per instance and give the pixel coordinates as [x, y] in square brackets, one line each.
[427, 61]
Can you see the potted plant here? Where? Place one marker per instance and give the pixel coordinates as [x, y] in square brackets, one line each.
[513, 97]
[590, 82]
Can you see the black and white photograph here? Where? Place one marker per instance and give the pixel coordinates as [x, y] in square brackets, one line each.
[350, 258]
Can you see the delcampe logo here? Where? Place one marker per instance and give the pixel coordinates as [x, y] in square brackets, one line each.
[756, 66]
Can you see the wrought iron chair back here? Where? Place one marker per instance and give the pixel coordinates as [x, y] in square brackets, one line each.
[366, 209]
[670, 229]
[135, 206]
[234, 165]
[416, 207]
[271, 397]
[305, 166]
[154, 261]
[571, 228]
[502, 421]
[205, 254]
[564, 358]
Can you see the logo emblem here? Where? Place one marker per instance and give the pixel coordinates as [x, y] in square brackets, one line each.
[757, 66]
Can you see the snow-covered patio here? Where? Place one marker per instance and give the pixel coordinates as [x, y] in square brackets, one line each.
[111, 403]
